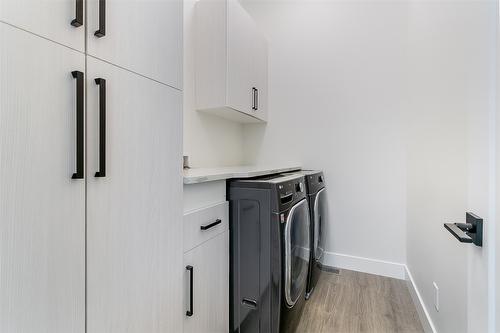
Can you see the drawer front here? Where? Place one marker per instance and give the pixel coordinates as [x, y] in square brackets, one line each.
[204, 224]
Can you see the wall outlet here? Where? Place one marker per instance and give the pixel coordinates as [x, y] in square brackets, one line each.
[436, 296]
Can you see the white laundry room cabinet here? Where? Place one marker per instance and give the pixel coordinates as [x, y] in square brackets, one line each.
[62, 21]
[206, 258]
[91, 167]
[42, 200]
[143, 36]
[231, 62]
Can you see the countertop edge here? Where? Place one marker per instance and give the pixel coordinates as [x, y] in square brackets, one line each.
[253, 172]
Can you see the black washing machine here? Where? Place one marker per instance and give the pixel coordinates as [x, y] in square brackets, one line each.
[316, 194]
[269, 253]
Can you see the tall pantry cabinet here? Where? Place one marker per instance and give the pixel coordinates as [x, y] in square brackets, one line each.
[90, 166]
[42, 210]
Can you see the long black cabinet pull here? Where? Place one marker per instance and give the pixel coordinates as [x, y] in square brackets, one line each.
[254, 98]
[78, 21]
[79, 124]
[211, 225]
[190, 269]
[102, 127]
[102, 20]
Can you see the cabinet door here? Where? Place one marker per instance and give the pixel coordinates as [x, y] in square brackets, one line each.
[48, 18]
[240, 83]
[134, 213]
[260, 65]
[210, 262]
[42, 210]
[142, 36]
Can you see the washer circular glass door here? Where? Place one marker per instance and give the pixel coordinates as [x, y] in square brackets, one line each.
[297, 251]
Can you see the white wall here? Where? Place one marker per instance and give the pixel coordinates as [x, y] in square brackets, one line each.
[451, 108]
[209, 141]
[337, 74]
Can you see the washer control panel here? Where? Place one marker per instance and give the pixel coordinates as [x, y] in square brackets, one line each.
[291, 191]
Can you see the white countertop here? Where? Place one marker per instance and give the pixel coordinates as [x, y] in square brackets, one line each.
[202, 175]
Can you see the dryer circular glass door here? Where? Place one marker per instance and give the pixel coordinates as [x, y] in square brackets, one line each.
[319, 214]
[297, 251]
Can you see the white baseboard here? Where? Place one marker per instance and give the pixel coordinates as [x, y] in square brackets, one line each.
[365, 265]
[423, 314]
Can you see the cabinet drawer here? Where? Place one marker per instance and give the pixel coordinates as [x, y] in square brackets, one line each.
[203, 224]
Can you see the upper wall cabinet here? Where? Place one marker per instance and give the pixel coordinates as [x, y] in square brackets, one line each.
[140, 36]
[60, 21]
[231, 62]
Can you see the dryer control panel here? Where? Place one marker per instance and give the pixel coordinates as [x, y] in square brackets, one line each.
[315, 181]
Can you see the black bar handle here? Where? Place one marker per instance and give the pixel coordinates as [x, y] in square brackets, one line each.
[78, 21]
[190, 269]
[211, 225]
[254, 90]
[79, 124]
[102, 20]
[102, 127]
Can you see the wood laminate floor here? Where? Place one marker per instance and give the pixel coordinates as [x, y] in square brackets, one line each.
[352, 302]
